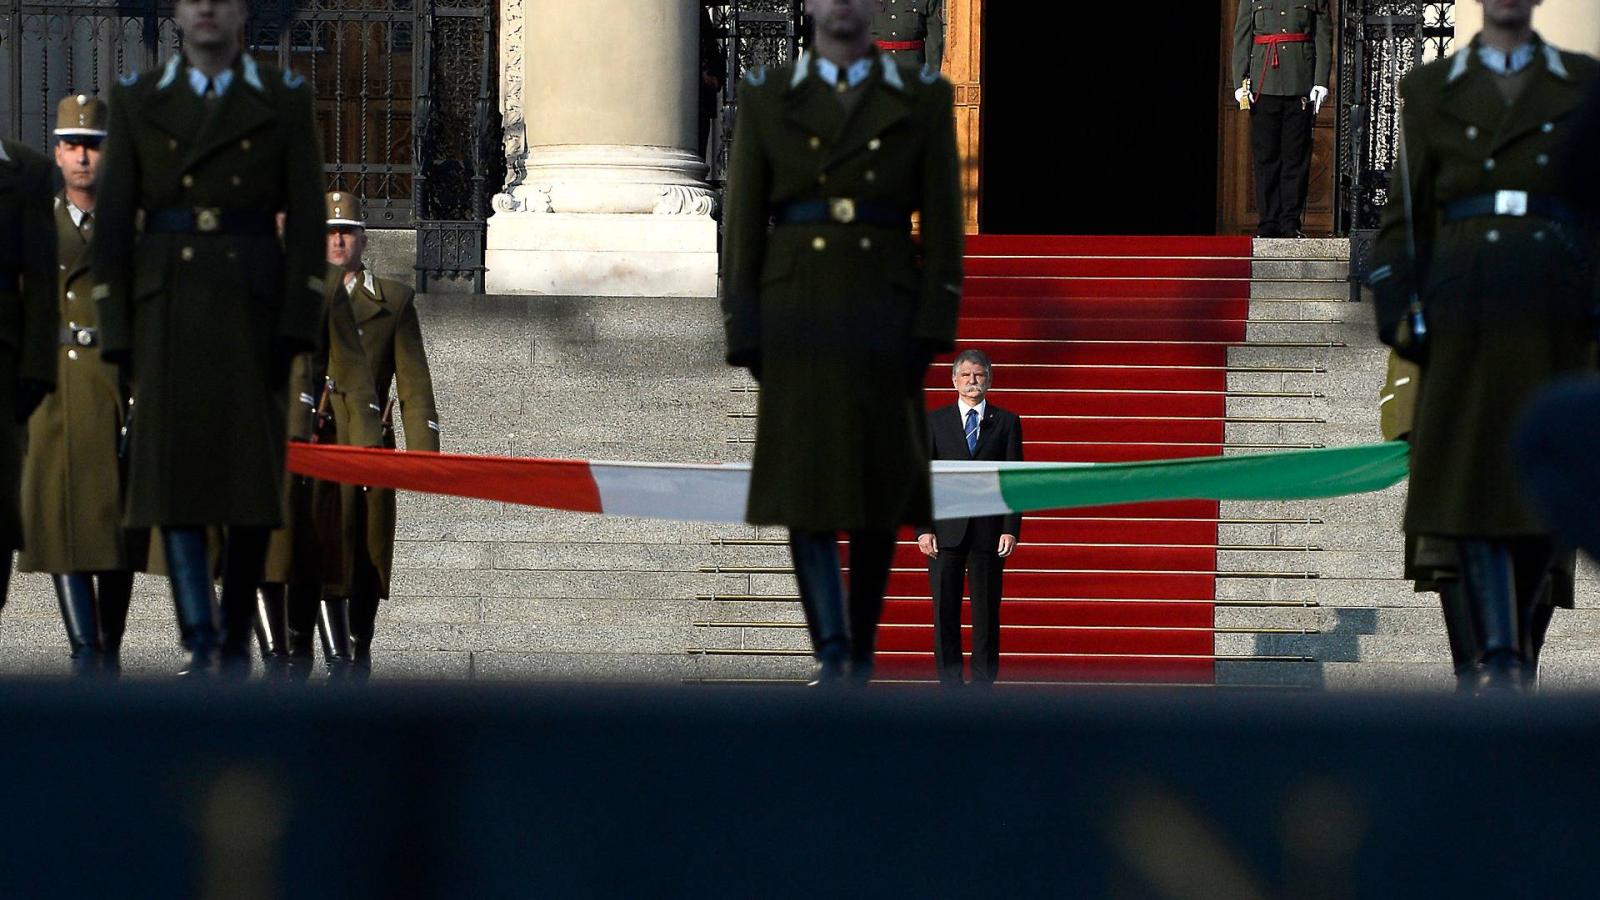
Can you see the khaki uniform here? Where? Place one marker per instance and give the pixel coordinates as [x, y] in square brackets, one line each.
[1508, 299]
[209, 311]
[391, 342]
[72, 477]
[301, 549]
[910, 22]
[28, 318]
[841, 317]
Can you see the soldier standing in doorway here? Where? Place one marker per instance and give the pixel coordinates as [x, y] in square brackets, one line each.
[72, 476]
[837, 312]
[207, 308]
[28, 334]
[911, 31]
[1282, 58]
[1495, 301]
[391, 341]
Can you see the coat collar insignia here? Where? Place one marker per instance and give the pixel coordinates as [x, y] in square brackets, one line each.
[170, 74]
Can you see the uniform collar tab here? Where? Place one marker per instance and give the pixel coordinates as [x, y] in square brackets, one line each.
[4, 156]
[891, 72]
[252, 72]
[170, 74]
[802, 68]
[1554, 62]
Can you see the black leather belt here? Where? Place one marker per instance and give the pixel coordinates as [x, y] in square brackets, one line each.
[843, 211]
[1514, 204]
[73, 336]
[10, 282]
[210, 220]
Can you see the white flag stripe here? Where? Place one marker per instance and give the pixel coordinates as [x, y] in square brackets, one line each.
[682, 493]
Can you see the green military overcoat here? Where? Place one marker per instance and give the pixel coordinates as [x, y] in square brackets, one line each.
[391, 341]
[1508, 301]
[1300, 66]
[903, 21]
[209, 321]
[837, 316]
[29, 326]
[308, 548]
[71, 477]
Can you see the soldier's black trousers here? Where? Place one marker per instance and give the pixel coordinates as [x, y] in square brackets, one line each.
[1280, 143]
[982, 570]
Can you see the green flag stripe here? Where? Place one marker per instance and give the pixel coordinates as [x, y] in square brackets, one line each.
[1289, 475]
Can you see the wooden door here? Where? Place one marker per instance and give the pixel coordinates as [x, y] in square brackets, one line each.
[1236, 193]
[963, 65]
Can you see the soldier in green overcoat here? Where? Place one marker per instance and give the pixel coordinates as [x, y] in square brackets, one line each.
[305, 557]
[912, 32]
[837, 311]
[28, 322]
[206, 306]
[71, 476]
[391, 344]
[1285, 50]
[1504, 284]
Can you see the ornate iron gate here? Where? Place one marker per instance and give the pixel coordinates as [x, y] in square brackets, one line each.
[1380, 41]
[374, 82]
[749, 34]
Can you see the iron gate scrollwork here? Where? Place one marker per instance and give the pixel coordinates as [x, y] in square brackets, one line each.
[748, 34]
[386, 96]
[1381, 41]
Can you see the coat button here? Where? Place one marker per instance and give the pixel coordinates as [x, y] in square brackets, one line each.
[815, 143]
[188, 181]
[866, 243]
[1538, 235]
[361, 332]
[1472, 132]
[1488, 165]
[71, 295]
[819, 243]
[1543, 159]
[187, 253]
[1493, 236]
[874, 144]
[1547, 127]
[823, 178]
[172, 144]
[72, 354]
[236, 180]
[233, 254]
[244, 144]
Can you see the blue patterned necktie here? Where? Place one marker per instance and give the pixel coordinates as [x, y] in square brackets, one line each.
[972, 431]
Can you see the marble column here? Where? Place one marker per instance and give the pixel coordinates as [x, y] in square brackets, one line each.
[1569, 24]
[606, 193]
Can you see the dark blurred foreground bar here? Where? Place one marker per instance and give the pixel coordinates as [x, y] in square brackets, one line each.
[435, 791]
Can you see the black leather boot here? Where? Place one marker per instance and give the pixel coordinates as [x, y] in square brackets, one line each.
[272, 626]
[1465, 648]
[363, 625]
[75, 596]
[816, 570]
[1488, 581]
[301, 632]
[333, 623]
[243, 561]
[189, 571]
[871, 555]
[113, 591]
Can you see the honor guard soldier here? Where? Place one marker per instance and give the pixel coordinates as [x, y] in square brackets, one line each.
[1282, 58]
[1495, 301]
[306, 557]
[207, 307]
[29, 330]
[836, 310]
[911, 31]
[391, 341]
[72, 475]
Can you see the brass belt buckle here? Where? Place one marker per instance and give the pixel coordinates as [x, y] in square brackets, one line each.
[842, 210]
[207, 220]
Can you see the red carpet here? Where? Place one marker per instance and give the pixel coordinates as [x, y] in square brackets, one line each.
[1112, 349]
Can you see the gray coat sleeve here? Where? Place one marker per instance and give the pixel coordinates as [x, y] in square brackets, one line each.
[1244, 32]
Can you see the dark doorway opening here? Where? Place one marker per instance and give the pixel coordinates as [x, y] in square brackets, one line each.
[1098, 120]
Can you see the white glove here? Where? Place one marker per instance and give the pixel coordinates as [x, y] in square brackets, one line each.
[1238, 96]
[1318, 94]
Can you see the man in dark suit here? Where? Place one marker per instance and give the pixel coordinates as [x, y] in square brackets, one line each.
[972, 428]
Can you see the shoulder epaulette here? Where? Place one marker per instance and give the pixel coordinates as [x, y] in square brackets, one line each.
[292, 80]
[757, 76]
[128, 80]
[928, 75]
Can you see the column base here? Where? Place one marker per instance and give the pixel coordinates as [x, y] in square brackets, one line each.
[602, 255]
